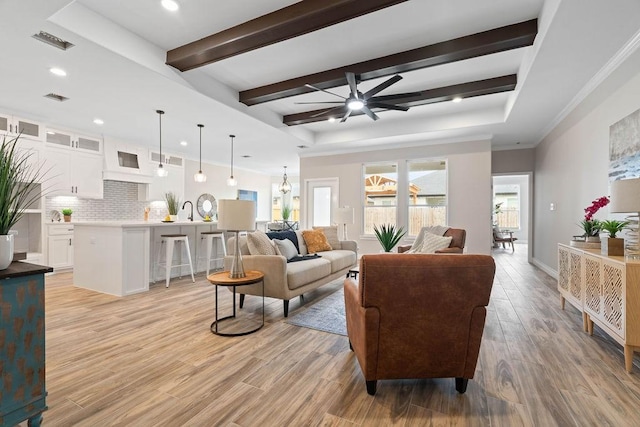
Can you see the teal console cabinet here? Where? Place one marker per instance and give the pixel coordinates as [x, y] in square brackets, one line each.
[22, 356]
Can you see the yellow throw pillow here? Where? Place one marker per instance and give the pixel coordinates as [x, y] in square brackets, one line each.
[316, 241]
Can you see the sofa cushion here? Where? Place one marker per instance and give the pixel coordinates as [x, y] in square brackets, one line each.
[332, 235]
[305, 272]
[279, 235]
[339, 259]
[286, 248]
[316, 241]
[260, 244]
[431, 243]
[302, 246]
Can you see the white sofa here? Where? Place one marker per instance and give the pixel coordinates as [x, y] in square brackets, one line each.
[284, 280]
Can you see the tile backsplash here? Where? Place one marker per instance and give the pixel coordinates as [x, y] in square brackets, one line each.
[120, 202]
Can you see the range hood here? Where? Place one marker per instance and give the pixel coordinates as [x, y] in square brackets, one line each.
[125, 162]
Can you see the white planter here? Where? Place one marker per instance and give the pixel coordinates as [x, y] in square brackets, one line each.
[6, 250]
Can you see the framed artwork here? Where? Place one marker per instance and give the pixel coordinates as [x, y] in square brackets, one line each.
[624, 148]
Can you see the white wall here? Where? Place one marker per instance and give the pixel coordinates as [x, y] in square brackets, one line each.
[469, 186]
[572, 161]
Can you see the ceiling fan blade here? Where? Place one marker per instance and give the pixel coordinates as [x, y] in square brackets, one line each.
[369, 113]
[395, 97]
[325, 91]
[353, 85]
[387, 106]
[346, 116]
[382, 86]
[321, 102]
[327, 111]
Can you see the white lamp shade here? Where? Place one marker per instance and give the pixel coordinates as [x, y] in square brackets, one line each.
[343, 216]
[236, 215]
[625, 195]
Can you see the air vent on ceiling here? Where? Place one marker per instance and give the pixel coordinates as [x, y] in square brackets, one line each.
[245, 156]
[52, 40]
[56, 97]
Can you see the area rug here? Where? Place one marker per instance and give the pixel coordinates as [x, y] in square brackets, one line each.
[326, 315]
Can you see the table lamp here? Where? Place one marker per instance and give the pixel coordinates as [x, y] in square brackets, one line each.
[625, 198]
[344, 216]
[236, 216]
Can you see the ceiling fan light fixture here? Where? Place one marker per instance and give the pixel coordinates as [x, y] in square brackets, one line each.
[355, 104]
[231, 181]
[170, 5]
[200, 177]
[331, 119]
[161, 171]
[285, 186]
[457, 99]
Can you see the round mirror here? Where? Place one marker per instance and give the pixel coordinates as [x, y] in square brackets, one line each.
[207, 206]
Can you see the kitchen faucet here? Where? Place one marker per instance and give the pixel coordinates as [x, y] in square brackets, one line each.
[190, 217]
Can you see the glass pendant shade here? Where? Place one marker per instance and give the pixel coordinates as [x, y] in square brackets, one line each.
[231, 181]
[161, 171]
[285, 187]
[200, 177]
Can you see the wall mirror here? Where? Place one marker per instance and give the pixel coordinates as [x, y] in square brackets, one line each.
[207, 206]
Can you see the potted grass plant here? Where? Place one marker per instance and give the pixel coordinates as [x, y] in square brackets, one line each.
[66, 213]
[286, 212]
[612, 245]
[19, 189]
[388, 236]
[173, 204]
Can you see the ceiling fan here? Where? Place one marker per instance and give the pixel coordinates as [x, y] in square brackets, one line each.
[365, 102]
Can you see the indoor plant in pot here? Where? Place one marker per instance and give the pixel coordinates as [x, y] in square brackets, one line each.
[173, 204]
[286, 212]
[388, 235]
[66, 212]
[19, 189]
[612, 246]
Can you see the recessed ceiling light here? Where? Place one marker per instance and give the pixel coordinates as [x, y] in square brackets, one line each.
[98, 121]
[456, 99]
[58, 71]
[183, 143]
[170, 5]
[331, 119]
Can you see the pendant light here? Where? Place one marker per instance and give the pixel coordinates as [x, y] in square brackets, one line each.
[231, 181]
[161, 171]
[200, 177]
[285, 187]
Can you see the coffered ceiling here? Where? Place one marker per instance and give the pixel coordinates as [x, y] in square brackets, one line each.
[517, 64]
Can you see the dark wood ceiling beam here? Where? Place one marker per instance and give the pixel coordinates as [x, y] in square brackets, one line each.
[292, 21]
[430, 96]
[485, 43]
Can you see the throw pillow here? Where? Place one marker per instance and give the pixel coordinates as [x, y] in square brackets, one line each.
[431, 243]
[259, 244]
[316, 241]
[332, 235]
[279, 235]
[286, 248]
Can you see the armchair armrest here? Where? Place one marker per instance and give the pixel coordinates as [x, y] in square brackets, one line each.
[449, 250]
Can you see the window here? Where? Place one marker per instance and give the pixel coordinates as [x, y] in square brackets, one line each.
[380, 201]
[506, 201]
[427, 195]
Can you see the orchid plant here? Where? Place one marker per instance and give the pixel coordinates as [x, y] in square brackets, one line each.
[592, 226]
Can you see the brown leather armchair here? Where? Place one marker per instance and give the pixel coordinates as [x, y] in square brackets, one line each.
[458, 237]
[418, 315]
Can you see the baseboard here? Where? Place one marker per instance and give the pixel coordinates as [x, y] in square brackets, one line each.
[544, 267]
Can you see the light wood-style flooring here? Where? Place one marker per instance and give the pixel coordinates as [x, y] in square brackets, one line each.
[150, 360]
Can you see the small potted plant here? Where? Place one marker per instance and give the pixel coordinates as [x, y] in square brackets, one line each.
[286, 212]
[388, 235]
[173, 204]
[66, 212]
[612, 246]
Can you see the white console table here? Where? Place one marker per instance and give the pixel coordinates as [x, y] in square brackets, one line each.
[606, 289]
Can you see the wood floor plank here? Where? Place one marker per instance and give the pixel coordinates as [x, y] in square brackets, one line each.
[150, 359]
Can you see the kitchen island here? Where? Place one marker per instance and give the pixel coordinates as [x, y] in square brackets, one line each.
[118, 257]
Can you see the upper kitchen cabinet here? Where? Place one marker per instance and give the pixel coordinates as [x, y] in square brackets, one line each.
[173, 182]
[66, 139]
[74, 173]
[31, 148]
[14, 126]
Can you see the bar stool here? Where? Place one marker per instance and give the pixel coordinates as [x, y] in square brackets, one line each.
[170, 240]
[208, 237]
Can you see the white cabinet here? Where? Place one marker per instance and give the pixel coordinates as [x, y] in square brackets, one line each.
[67, 139]
[75, 174]
[31, 148]
[28, 229]
[173, 182]
[60, 246]
[13, 126]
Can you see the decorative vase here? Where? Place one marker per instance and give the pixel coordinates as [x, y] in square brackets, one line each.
[612, 246]
[6, 250]
[67, 218]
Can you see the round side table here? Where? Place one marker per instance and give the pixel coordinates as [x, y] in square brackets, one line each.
[222, 279]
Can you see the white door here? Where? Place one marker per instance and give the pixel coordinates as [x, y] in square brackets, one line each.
[321, 197]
